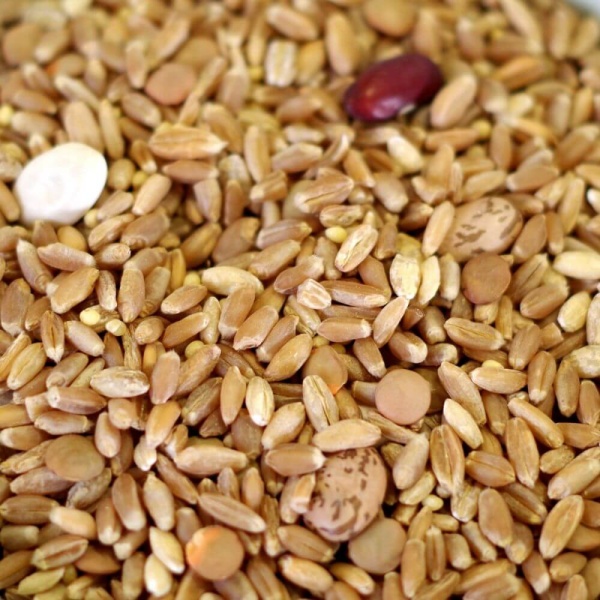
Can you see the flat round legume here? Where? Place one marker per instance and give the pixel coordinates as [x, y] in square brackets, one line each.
[74, 457]
[214, 552]
[403, 396]
[485, 278]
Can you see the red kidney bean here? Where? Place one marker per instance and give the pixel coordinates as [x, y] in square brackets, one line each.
[387, 87]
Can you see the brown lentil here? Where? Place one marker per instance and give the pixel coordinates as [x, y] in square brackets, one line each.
[485, 278]
[403, 396]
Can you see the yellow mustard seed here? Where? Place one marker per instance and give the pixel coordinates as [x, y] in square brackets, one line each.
[193, 347]
[483, 128]
[90, 317]
[492, 364]
[139, 178]
[91, 218]
[192, 278]
[116, 327]
[336, 234]
[6, 115]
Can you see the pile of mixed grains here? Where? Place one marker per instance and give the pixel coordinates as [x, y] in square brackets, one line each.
[288, 354]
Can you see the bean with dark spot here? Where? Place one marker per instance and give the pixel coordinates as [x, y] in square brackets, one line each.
[390, 86]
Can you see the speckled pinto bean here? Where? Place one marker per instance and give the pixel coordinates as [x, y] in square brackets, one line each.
[390, 86]
[348, 493]
[489, 225]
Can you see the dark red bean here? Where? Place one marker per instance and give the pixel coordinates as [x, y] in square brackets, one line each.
[387, 87]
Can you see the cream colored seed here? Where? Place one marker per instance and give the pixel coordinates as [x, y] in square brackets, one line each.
[336, 234]
[91, 218]
[116, 327]
[193, 347]
[90, 317]
[139, 178]
[192, 278]
[6, 114]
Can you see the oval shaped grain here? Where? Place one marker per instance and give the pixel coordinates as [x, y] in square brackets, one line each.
[204, 460]
[294, 459]
[391, 17]
[231, 512]
[305, 543]
[120, 382]
[495, 519]
[347, 434]
[289, 358]
[223, 280]
[489, 469]
[559, 526]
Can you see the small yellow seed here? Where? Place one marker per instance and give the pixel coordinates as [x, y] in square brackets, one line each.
[116, 327]
[192, 278]
[6, 115]
[90, 218]
[483, 128]
[193, 347]
[433, 502]
[256, 73]
[492, 364]
[336, 234]
[138, 179]
[89, 317]
[482, 68]
[125, 13]
[319, 341]
[70, 574]
[170, 241]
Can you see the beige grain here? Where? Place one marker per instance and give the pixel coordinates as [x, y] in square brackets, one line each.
[305, 573]
[498, 380]
[184, 143]
[209, 459]
[294, 459]
[489, 469]
[452, 101]
[120, 381]
[356, 247]
[559, 526]
[447, 458]
[463, 423]
[231, 512]
[543, 428]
